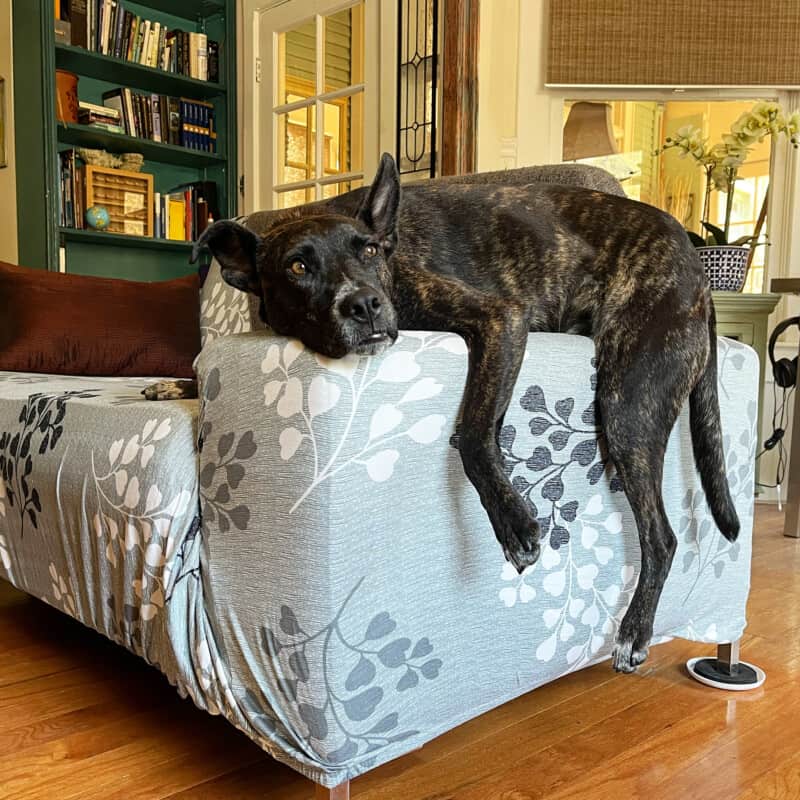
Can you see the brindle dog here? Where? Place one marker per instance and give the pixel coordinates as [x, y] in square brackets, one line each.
[492, 263]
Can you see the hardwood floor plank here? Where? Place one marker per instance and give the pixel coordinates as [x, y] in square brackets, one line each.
[82, 719]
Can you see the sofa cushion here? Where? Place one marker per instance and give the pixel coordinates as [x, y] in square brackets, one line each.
[78, 325]
[98, 489]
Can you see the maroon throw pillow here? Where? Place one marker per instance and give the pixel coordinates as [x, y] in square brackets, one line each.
[78, 325]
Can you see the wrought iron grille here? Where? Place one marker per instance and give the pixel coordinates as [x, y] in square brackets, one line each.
[417, 86]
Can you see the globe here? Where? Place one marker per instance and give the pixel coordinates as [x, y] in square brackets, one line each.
[97, 217]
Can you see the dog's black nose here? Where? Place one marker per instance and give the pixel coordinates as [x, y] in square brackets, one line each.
[362, 306]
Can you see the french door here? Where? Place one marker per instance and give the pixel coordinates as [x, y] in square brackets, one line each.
[310, 99]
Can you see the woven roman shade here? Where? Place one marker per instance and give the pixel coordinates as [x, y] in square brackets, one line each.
[674, 43]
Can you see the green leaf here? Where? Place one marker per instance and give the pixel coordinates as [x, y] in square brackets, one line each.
[717, 233]
[696, 239]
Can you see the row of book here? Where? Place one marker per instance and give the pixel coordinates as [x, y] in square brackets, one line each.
[181, 214]
[171, 120]
[185, 212]
[105, 26]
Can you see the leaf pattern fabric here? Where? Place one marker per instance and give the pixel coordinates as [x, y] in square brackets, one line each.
[300, 551]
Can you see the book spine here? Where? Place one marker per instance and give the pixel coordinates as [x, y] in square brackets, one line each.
[155, 105]
[213, 61]
[202, 56]
[157, 215]
[155, 38]
[119, 32]
[145, 42]
[108, 8]
[162, 46]
[132, 28]
[184, 123]
[192, 54]
[174, 120]
[112, 22]
[186, 52]
[187, 200]
[130, 118]
[79, 35]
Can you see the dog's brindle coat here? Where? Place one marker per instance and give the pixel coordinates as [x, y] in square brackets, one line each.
[492, 263]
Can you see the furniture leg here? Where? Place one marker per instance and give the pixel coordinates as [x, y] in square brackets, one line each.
[728, 657]
[726, 671]
[340, 792]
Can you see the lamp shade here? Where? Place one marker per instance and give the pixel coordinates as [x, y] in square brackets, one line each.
[588, 132]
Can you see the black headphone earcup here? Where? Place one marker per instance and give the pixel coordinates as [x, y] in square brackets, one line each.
[785, 372]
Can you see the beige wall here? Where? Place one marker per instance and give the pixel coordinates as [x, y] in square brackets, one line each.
[8, 182]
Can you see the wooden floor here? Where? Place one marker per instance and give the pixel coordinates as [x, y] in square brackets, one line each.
[81, 718]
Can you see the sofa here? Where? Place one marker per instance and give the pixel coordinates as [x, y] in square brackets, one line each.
[300, 551]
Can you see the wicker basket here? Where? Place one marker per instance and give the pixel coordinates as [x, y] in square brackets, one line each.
[725, 266]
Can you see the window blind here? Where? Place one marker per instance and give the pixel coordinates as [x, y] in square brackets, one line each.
[670, 43]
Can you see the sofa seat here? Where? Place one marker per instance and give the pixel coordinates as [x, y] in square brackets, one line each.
[97, 489]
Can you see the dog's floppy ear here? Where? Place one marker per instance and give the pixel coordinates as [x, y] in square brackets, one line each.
[379, 209]
[234, 246]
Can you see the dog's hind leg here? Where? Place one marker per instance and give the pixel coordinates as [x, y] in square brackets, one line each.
[640, 392]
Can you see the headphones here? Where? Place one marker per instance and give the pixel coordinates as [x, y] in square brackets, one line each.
[784, 370]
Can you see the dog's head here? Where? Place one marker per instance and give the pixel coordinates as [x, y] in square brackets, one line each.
[321, 277]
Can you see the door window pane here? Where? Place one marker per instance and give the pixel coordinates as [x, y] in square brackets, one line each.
[296, 157]
[334, 189]
[343, 145]
[344, 49]
[297, 63]
[295, 197]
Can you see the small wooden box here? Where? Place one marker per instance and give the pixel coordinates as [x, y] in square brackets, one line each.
[127, 196]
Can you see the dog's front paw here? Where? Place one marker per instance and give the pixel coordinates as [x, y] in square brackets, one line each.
[628, 654]
[171, 390]
[518, 534]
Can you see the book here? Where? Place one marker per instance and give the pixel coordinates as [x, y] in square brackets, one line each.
[102, 110]
[114, 99]
[213, 61]
[79, 31]
[202, 56]
[118, 31]
[177, 213]
[157, 215]
[142, 59]
[155, 112]
[155, 38]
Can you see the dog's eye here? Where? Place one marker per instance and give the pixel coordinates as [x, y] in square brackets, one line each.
[370, 251]
[298, 268]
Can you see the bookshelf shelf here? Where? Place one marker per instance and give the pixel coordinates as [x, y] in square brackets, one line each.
[127, 73]
[84, 136]
[122, 240]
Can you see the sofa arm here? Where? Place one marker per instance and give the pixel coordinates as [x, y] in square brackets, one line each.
[348, 564]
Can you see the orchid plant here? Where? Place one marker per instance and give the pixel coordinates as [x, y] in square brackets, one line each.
[721, 161]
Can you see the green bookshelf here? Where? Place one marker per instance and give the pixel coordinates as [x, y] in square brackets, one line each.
[43, 243]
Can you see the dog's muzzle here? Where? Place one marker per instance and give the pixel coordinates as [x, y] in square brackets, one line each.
[368, 321]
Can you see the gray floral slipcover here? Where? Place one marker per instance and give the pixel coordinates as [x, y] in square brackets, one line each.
[300, 550]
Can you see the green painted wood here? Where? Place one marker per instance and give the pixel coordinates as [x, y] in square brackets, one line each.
[34, 117]
[122, 240]
[127, 73]
[130, 263]
[85, 136]
[188, 9]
